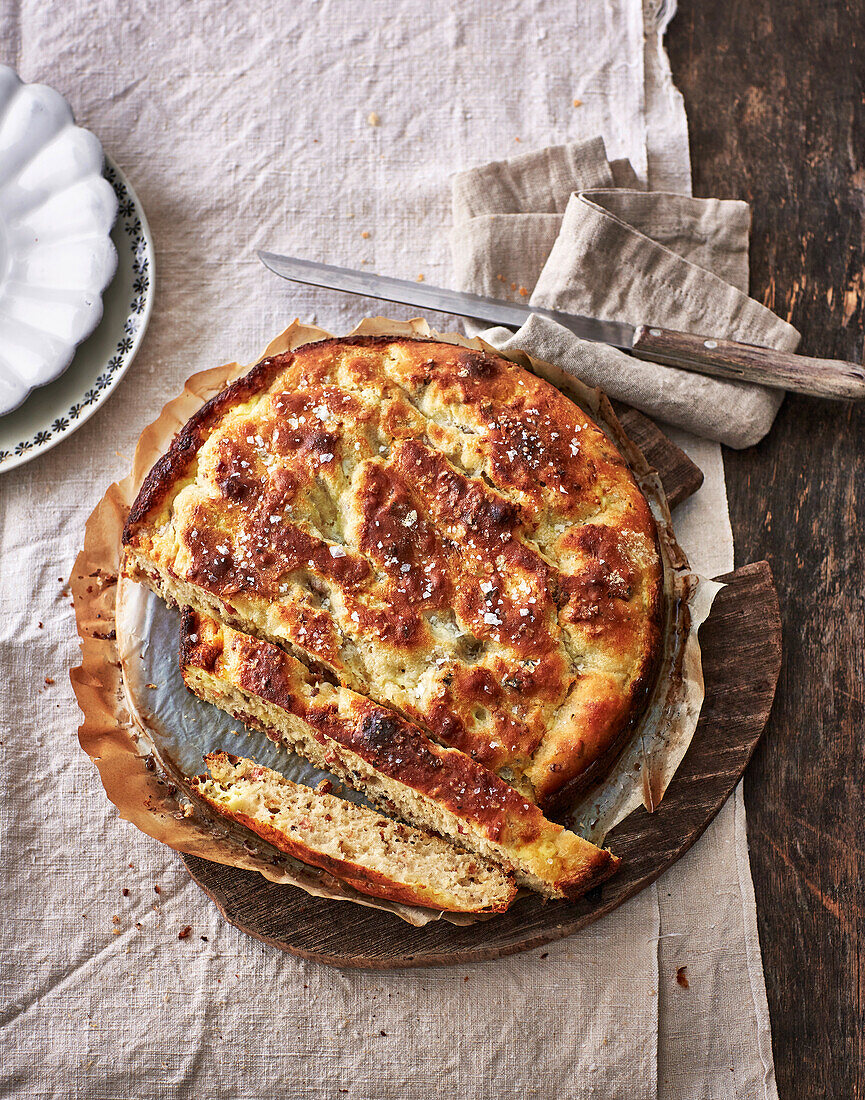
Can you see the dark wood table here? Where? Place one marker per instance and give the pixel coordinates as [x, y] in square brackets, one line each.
[775, 95]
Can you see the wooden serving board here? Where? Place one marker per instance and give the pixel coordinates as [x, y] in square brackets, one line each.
[680, 476]
[741, 646]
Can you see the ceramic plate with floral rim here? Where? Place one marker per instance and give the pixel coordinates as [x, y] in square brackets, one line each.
[54, 411]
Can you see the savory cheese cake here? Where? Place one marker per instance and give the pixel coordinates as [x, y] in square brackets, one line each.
[429, 526]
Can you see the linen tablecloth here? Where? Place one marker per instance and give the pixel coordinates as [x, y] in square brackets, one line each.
[331, 131]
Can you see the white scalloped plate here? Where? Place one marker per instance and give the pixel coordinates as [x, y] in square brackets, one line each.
[56, 253]
[54, 411]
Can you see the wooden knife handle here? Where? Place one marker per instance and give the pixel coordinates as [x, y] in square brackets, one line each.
[728, 359]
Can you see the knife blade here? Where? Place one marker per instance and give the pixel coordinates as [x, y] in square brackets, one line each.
[490, 310]
[828, 378]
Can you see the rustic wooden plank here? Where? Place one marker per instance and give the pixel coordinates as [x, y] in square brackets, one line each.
[741, 644]
[776, 114]
[679, 475]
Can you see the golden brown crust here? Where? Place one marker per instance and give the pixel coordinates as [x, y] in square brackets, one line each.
[157, 486]
[238, 666]
[437, 528]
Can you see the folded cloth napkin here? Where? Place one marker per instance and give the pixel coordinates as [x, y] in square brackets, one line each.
[556, 228]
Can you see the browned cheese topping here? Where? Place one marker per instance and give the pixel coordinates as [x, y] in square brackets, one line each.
[437, 529]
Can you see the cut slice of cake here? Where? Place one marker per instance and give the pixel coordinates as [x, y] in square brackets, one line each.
[377, 856]
[391, 760]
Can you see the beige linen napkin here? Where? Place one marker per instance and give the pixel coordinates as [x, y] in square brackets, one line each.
[553, 229]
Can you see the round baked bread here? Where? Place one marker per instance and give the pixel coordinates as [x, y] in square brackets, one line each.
[432, 526]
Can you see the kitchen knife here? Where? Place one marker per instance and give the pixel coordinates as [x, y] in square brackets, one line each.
[830, 378]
